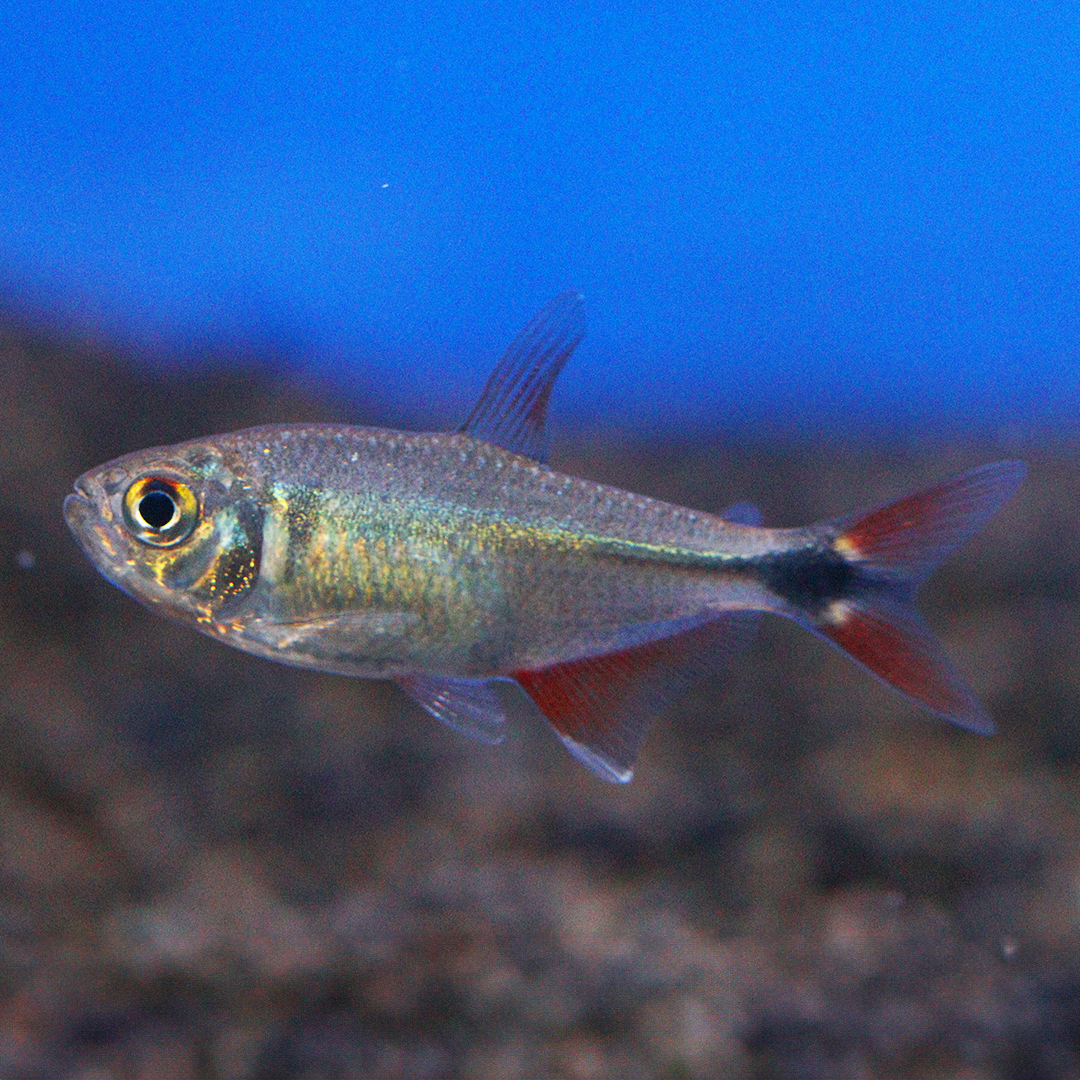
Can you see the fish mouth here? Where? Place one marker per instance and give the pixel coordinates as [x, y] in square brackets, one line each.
[85, 517]
[78, 502]
[77, 505]
[88, 495]
[95, 534]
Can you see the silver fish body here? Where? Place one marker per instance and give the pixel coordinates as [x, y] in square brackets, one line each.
[446, 560]
[375, 553]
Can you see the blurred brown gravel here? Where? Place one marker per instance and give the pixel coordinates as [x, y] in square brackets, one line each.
[214, 866]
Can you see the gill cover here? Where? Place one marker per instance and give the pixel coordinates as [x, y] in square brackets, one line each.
[197, 532]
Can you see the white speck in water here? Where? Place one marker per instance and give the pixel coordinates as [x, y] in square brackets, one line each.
[1009, 947]
[25, 559]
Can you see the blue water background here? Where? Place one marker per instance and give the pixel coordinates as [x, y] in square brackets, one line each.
[810, 216]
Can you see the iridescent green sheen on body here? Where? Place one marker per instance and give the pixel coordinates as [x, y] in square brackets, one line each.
[381, 551]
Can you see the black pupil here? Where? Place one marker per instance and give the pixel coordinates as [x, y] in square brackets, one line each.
[157, 509]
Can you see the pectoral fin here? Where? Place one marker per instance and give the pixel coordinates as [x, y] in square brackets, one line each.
[467, 705]
[601, 706]
[330, 633]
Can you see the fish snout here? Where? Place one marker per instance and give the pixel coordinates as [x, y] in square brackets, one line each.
[76, 506]
[85, 506]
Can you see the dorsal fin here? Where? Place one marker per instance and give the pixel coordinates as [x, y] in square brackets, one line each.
[513, 405]
[601, 706]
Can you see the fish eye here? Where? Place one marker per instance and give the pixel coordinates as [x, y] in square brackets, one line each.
[160, 510]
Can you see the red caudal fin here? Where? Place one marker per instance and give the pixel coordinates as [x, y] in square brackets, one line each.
[893, 642]
[911, 537]
[891, 551]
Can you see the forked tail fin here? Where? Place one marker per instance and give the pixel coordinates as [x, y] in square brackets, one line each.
[893, 550]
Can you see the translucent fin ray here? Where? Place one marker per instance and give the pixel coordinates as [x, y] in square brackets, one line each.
[742, 513]
[601, 706]
[513, 406]
[892, 642]
[894, 548]
[467, 705]
[914, 535]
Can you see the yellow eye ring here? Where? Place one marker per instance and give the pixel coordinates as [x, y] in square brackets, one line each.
[160, 510]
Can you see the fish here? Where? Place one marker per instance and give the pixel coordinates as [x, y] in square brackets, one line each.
[451, 561]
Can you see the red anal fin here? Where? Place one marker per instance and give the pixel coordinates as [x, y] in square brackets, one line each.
[899, 649]
[601, 706]
[913, 535]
